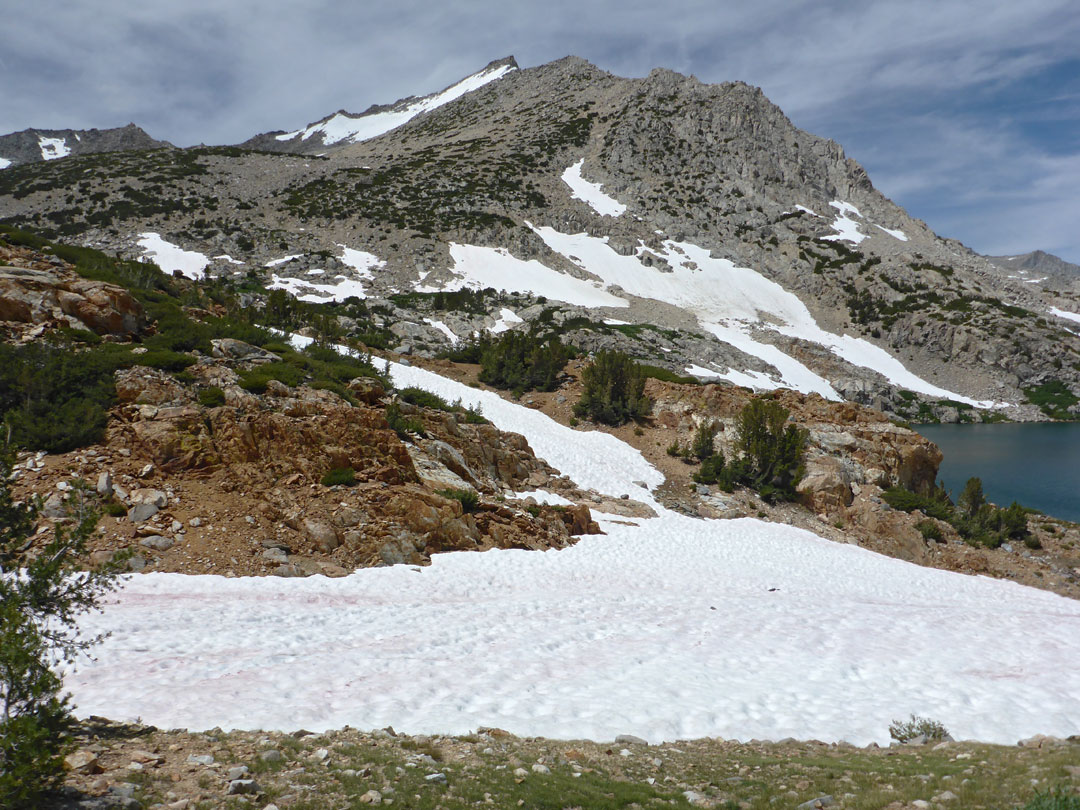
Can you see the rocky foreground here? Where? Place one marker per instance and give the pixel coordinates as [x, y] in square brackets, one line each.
[142, 767]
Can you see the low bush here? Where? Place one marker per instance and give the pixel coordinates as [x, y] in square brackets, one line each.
[405, 427]
[905, 730]
[339, 476]
[468, 499]
[1059, 798]
[212, 397]
[258, 379]
[978, 522]
[930, 530]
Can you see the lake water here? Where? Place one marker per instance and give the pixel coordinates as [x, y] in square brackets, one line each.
[1036, 464]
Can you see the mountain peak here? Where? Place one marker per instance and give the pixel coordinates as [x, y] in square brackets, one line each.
[343, 127]
[37, 145]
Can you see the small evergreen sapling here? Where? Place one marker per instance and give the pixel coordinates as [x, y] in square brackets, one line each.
[40, 602]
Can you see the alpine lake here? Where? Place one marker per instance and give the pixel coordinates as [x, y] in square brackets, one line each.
[1034, 463]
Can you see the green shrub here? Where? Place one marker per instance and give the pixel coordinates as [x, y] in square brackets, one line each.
[424, 399]
[664, 375]
[114, 509]
[212, 397]
[339, 476]
[402, 425]
[704, 441]
[978, 522]
[1059, 798]
[614, 390]
[930, 530]
[468, 499]
[257, 379]
[675, 449]
[1053, 398]
[904, 730]
[521, 362]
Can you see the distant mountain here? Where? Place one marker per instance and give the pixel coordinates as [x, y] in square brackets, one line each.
[1039, 267]
[343, 128]
[38, 145]
[690, 225]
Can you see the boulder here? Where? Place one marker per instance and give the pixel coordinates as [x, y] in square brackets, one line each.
[322, 534]
[230, 349]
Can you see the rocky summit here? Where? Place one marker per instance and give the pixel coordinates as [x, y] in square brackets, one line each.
[689, 224]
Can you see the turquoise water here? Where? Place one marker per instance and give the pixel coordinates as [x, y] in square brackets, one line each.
[1035, 464]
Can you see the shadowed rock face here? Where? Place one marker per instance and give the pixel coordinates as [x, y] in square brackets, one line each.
[61, 297]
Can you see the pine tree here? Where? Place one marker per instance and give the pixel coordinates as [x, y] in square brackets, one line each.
[40, 601]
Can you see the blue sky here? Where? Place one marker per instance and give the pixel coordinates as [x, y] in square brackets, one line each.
[966, 113]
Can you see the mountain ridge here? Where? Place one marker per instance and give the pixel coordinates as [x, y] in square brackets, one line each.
[860, 300]
[36, 145]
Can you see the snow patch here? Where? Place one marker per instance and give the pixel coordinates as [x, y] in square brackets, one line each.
[808, 211]
[53, 148]
[1061, 313]
[355, 128]
[507, 318]
[847, 229]
[225, 257]
[895, 234]
[170, 257]
[282, 260]
[4, 163]
[442, 327]
[342, 289]
[481, 267]
[730, 302]
[591, 193]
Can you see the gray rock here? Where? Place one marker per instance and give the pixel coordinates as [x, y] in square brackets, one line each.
[141, 512]
[136, 563]
[275, 554]
[436, 778]
[55, 507]
[540, 768]
[815, 804]
[322, 534]
[125, 790]
[157, 542]
[105, 485]
[272, 755]
[237, 772]
[200, 759]
[146, 495]
[630, 739]
[239, 787]
[945, 796]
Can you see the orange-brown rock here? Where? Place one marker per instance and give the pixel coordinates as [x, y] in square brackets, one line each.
[59, 296]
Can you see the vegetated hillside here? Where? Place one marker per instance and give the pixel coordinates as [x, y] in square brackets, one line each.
[39, 145]
[714, 178]
[217, 445]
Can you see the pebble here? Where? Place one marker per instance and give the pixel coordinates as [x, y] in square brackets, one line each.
[630, 739]
[521, 773]
[439, 778]
[157, 542]
[945, 796]
[272, 755]
[814, 804]
[238, 772]
[538, 768]
[200, 759]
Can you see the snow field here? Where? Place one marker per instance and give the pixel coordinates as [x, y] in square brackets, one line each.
[4, 163]
[170, 257]
[507, 319]
[344, 127]
[680, 628]
[591, 193]
[729, 301]
[480, 267]
[671, 628]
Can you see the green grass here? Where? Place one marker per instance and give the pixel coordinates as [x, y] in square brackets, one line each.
[1054, 399]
